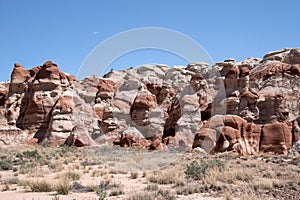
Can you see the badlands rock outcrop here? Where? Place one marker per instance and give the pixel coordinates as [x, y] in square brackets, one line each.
[245, 107]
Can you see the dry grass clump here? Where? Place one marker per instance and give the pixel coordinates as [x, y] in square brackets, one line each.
[206, 170]
[232, 176]
[107, 187]
[151, 187]
[249, 194]
[99, 172]
[71, 175]
[63, 186]
[56, 166]
[190, 188]
[116, 191]
[134, 175]
[150, 195]
[38, 185]
[11, 180]
[167, 176]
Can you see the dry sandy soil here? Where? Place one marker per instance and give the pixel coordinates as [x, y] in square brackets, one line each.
[108, 172]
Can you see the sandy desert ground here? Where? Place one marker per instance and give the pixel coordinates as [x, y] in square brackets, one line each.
[109, 172]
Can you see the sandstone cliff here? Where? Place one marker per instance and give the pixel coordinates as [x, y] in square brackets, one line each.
[246, 106]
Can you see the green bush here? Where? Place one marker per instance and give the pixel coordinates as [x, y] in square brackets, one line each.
[198, 171]
[32, 154]
[101, 193]
[4, 165]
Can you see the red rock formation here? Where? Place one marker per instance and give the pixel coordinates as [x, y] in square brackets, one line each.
[228, 133]
[168, 102]
[140, 110]
[105, 89]
[276, 137]
[154, 106]
[41, 100]
[205, 138]
[19, 74]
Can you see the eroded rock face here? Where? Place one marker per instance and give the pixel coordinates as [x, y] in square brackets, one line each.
[3, 96]
[40, 103]
[232, 133]
[140, 110]
[276, 137]
[232, 106]
[228, 133]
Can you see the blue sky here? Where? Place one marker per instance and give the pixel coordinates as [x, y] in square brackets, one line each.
[65, 31]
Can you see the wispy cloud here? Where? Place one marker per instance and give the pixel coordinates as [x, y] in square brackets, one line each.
[95, 32]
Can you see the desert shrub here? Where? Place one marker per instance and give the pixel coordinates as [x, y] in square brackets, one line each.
[73, 176]
[62, 187]
[100, 172]
[144, 195]
[263, 185]
[19, 155]
[144, 174]
[165, 194]
[249, 194]
[38, 186]
[150, 195]
[65, 149]
[170, 176]
[56, 197]
[56, 166]
[89, 163]
[234, 174]
[152, 187]
[116, 192]
[32, 154]
[5, 165]
[295, 161]
[11, 180]
[188, 189]
[101, 193]
[106, 184]
[6, 188]
[27, 168]
[134, 175]
[244, 175]
[200, 170]
[78, 187]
